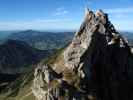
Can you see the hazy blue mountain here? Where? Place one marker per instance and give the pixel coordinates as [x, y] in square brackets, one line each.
[43, 40]
[5, 34]
[129, 36]
[18, 58]
[16, 55]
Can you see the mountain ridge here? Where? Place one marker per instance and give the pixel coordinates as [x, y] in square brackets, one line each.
[41, 40]
[95, 65]
[94, 62]
[15, 54]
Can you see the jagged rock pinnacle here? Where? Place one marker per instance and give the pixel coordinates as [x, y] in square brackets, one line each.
[94, 61]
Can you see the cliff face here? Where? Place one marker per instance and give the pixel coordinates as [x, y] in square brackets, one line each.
[95, 66]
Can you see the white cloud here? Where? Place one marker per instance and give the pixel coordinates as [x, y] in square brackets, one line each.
[120, 10]
[52, 20]
[121, 16]
[123, 25]
[60, 11]
[88, 3]
[35, 24]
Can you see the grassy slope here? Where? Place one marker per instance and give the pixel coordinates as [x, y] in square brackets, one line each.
[20, 89]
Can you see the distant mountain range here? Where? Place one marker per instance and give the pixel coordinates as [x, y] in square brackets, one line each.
[16, 59]
[43, 40]
[19, 51]
[129, 36]
[16, 55]
[47, 40]
[5, 34]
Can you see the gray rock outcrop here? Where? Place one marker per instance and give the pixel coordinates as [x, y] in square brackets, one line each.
[97, 65]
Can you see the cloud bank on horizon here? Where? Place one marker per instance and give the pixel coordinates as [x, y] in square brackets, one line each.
[61, 14]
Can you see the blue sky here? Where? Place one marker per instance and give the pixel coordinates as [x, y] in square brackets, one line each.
[61, 14]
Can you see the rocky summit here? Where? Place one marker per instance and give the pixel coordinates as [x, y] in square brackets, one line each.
[97, 65]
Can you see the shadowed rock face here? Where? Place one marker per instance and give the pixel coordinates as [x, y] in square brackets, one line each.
[97, 65]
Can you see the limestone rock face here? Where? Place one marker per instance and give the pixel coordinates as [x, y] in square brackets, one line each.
[90, 36]
[42, 89]
[96, 65]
